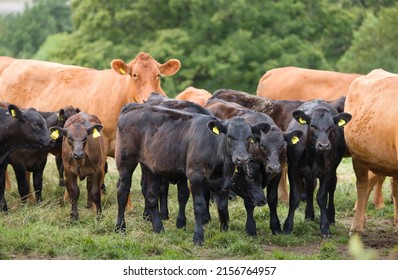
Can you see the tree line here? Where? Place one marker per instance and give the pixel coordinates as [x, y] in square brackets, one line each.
[220, 43]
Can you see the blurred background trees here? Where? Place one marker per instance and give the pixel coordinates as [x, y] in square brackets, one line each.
[220, 43]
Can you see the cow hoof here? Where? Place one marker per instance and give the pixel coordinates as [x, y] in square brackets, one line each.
[61, 183]
[180, 223]
[326, 236]
[74, 216]
[198, 239]
[158, 229]
[164, 217]
[120, 228]
[355, 232]
[251, 233]
[103, 188]
[146, 216]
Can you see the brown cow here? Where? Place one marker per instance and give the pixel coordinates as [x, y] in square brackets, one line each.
[49, 86]
[294, 83]
[372, 136]
[196, 95]
[83, 155]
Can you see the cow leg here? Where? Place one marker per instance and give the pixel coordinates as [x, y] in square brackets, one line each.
[3, 204]
[144, 189]
[330, 210]
[94, 183]
[151, 200]
[321, 197]
[222, 208]
[126, 170]
[251, 228]
[283, 194]
[183, 196]
[38, 184]
[103, 187]
[74, 193]
[163, 196]
[394, 192]
[294, 200]
[272, 197]
[22, 182]
[60, 168]
[364, 188]
[208, 195]
[199, 207]
[309, 188]
[378, 200]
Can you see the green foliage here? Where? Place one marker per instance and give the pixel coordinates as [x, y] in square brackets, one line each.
[375, 44]
[23, 34]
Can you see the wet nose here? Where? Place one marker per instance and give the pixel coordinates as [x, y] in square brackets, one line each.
[77, 155]
[323, 146]
[273, 169]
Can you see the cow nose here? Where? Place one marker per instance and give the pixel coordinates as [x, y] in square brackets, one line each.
[261, 202]
[273, 169]
[77, 155]
[323, 146]
[242, 160]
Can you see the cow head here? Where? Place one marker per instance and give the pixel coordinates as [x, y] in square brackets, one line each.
[272, 148]
[77, 135]
[250, 189]
[32, 127]
[144, 74]
[238, 135]
[322, 124]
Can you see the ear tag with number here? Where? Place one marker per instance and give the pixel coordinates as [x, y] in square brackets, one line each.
[13, 113]
[215, 130]
[294, 140]
[302, 121]
[96, 134]
[55, 134]
[342, 122]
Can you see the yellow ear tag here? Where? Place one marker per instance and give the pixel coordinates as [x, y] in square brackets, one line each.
[341, 122]
[294, 140]
[236, 169]
[96, 133]
[302, 121]
[55, 134]
[215, 130]
[122, 71]
[13, 113]
[251, 140]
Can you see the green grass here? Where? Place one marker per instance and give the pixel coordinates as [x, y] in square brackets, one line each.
[46, 231]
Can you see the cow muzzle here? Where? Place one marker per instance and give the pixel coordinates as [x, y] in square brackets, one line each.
[78, 155]
[323, 146]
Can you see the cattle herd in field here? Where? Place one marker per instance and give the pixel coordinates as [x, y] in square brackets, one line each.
[296, 129]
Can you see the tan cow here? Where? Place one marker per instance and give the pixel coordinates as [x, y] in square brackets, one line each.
[49, 86]
[196, 95]
[372, 136]
[294, 83]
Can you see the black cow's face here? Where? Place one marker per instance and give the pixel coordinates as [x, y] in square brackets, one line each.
[322, 125]
[239, 134]
[32, 126]
[76, 135]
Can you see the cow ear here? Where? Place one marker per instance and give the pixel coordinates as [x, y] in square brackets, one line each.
[170, 67]
[61, 115]
[95, 130]
[216, 127]
[301, 117]
[293, 137]
[57, 131]
[15, 112]
[342, 119]
[258, 128]
[120, 67]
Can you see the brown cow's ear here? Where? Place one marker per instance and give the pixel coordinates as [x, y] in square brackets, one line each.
[95, 130]
[170, 67]
[120, 67]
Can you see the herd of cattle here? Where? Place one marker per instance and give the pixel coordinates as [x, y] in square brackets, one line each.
[299, 126]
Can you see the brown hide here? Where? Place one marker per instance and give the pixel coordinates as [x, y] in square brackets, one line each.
[372, 137]
[293, 83]
[49, 86]
[196, 95]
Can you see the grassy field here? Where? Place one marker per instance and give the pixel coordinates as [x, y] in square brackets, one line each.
[46, 231]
